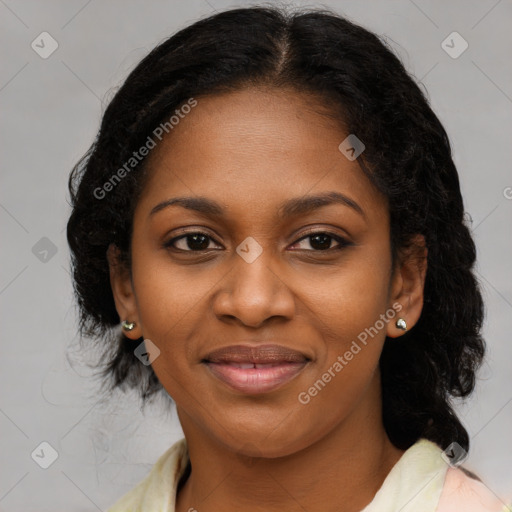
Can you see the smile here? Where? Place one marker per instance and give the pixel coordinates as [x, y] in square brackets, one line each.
[255, 369]
[255, 378]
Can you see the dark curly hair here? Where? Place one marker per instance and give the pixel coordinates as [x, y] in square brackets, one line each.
[363, 85]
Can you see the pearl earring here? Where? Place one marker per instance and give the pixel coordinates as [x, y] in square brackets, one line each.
[128, 326]
[400, 323]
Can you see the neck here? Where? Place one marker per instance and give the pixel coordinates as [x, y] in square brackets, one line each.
[345, 468]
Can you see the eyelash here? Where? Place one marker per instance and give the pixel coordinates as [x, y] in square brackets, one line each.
[342, 241]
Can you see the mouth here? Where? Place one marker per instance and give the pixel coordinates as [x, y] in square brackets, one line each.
[255, 370]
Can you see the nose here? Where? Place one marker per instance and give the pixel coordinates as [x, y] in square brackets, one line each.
[252, 293]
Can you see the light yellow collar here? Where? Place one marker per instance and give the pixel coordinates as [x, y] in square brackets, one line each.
[415, 482]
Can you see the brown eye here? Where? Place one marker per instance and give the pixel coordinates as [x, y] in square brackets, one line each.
[191, 242]
[321, 241]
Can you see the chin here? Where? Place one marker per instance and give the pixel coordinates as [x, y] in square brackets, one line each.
[256, 442]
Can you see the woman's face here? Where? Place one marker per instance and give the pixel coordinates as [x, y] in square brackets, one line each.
[264, 264]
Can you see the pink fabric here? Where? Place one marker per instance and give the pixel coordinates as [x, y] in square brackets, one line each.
[462, 493]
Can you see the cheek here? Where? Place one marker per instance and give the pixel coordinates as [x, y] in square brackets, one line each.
[168, 297]
[346, 302]
[348, 317]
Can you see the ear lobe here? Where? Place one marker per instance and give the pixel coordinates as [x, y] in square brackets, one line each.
[408, 284]
[122, 291]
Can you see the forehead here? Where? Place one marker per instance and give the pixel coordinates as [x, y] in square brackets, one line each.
[255, 147]
[271, 122]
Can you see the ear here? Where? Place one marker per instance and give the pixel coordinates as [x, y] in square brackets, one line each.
[122, 290]
[407, 285]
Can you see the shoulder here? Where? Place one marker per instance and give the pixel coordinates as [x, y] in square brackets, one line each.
[463, 490]
[156, 490]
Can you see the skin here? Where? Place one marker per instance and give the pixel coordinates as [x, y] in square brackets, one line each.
[250, 151]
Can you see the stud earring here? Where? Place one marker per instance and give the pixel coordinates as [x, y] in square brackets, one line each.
[128, 326]
[400, 323]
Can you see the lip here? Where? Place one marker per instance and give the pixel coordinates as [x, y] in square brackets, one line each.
[255, 369]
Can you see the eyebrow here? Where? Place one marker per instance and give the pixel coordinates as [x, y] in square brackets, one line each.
[291, 207]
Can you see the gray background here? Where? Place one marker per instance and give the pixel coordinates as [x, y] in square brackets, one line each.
[51, 109]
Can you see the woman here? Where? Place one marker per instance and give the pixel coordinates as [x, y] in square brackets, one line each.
[272, 213]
